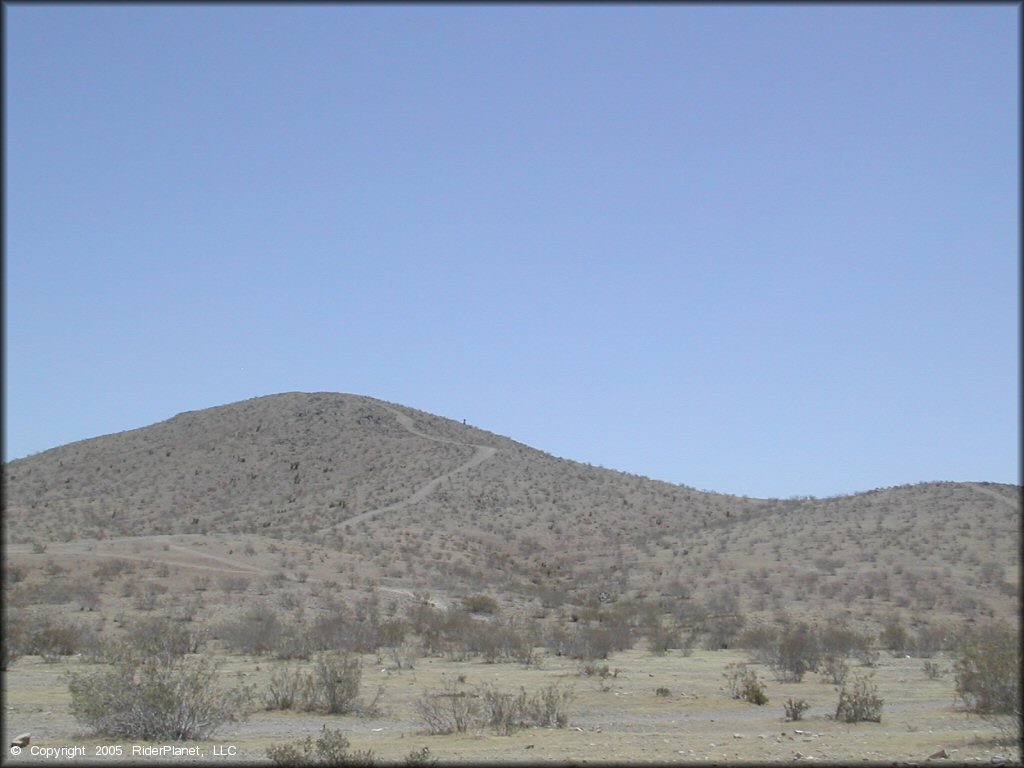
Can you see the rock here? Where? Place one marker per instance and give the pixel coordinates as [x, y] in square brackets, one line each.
[737, 735]
[22, 740]
[940, 755]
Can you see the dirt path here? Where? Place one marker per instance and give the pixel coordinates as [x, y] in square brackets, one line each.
[1012, 503]
[91, 548]
[482, 454]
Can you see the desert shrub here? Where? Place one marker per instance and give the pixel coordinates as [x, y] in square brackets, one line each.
[52, 639]
[163, 637]
[288, 688]
[894, 638]
[155, 699]
[987, 666]
[837, 639]
[860, 704]
[233, 583]
[722, 620]
[292, 641]
[759, 641]
[330, 748]
[9, 655]
[331, 686]
[932, 670]
[834, 669]
[547, 708]
[661, 637]
[111, 569]
[795, 709]
[595, 641]
[795, 653]
[336, 678]
[665, 692]
[450, 711]
[928, 641]
[420, 757]
[504, 712]
[255, 632]
[744, 684]
[391, 633]
[480, 604]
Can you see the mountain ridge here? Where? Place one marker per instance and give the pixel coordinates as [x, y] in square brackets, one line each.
[417, 500]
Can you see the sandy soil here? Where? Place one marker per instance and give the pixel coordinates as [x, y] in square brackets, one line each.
[618, 719]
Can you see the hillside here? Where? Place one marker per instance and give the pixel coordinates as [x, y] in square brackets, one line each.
[363, 494]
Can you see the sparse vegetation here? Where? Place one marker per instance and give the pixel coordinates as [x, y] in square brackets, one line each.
[859, 703]
[744, 684]
[559, 568]
[795, 708]
[987, 665]
[331, 747]
[155, 698]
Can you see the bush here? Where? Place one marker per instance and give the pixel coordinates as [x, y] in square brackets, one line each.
[548, 706]
[256, 632]
[336, 678]
[155, 699]
[795, 709]
[330, 748]
[288, 689]
[450, 711]
[860, 704]
[743, 684]
[795, 653]
[506, 712]
[760, 641]
[835, 669]
[331, 687]
[53, 639]
[420, 757]
[894, 638]
[163, 637]
[987, 666]
[661, 637]
[480, 604]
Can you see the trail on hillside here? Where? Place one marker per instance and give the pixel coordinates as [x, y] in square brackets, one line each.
[482, 454]
[1013, 503]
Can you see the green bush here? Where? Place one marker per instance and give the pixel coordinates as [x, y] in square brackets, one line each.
[744, 684]
[330, 748]
[155, 699]
[331, 687]
[795, 653]
[795, 709]
[860, 704]
[420, 757]
[987, 666]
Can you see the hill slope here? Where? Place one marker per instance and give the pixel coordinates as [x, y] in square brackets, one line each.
[409, 501]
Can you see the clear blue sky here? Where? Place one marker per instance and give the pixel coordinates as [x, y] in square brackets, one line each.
[765, 250]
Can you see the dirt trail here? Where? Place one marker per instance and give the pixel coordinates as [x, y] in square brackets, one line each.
[482, 454]
[108, 548]
[1011, 502]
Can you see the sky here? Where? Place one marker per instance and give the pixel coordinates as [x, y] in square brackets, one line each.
[767, 250]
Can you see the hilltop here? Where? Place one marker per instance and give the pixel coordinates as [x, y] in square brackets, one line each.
[323, 486]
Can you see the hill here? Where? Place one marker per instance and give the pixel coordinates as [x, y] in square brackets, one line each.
[360, 494]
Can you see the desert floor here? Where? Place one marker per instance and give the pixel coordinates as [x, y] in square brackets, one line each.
[615, 719]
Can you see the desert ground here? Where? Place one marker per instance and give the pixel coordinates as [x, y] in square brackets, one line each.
[615, 718]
